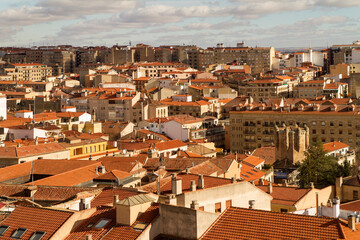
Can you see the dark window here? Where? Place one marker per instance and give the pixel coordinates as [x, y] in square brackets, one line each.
[3, 229]
[101, 223]
[217, 207]
[18, 233]
[228, 203]
[37, 235]
[283, 210]
[355, 195]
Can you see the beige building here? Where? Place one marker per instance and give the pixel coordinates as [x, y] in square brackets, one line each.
[254, 127]
[27, 72]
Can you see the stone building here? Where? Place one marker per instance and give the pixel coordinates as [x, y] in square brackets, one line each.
[290, 143]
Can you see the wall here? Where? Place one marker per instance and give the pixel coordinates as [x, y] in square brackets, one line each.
[239, 193]
[184, 222]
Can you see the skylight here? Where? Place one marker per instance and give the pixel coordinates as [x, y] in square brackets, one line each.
[18, 233]
[3, 229]
[37, 235]
[140, 226]
[101, 223]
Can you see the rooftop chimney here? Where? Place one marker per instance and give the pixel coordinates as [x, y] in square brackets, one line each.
[261, 181]
[270, 188]
[251, 203]
[115, 200]
[285, 183]
[194, 205]
[351, 222]
[312, 185]
[201, 183]
[233, 180]
[89, 237]
[101, 169]
[336, 207]
[193, 185]
[176, 185]
[31, 190]
[36, 141]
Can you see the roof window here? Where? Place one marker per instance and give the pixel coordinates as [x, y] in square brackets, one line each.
[18, 233]
[101, 223]
[3, 229]
[37, 235]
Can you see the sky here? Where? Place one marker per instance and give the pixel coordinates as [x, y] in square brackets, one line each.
[277, 23]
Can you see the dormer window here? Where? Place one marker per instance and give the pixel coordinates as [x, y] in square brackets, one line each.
[37, 235]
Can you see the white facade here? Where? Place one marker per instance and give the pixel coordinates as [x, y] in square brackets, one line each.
[24, 114]
[175, 130]
[3, 107]
[86, 117]
[68, 109]
[355, 55]
[27, 133]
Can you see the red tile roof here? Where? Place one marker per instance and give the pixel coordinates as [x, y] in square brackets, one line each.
[172, 144]
[106, 197]
[85, 227]
[35, 219]
[121, 232]
[266, 153]
[34, 150]
[252, 161]
[241, 223]
[333, 146]
[250, 174]
[285, 195]
[351, 206]
[114, 175]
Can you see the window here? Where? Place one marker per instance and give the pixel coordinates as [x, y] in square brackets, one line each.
[355, 195]
[37, 235]
[283, 210]
[218, 207]
[314, 131]
[18, 233]
[3, 229]
[101, 223]
[228, 203]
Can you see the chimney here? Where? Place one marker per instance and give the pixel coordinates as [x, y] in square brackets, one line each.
[101, 169]
[251, 203]
[233, 180]
[261, 182]
[176, 185]
[194, 205]
[351, 222]
[115, 200]
[270, 188]
[187, 170]
[88, 237]
[312, 185]
[338, 186]
[36, 141]
[336, 207]
[193, 185]
[201, 183]
[285, 183]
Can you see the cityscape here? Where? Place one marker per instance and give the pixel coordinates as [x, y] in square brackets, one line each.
[169, 121]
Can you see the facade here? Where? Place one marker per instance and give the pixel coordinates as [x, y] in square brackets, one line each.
[254, 128]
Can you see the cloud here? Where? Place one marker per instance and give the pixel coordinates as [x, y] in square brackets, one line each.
[53, 10]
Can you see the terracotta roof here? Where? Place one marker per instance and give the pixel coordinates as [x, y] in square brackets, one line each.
[241, 223]
[286, 195]
[35, 219]
[130, 232]
[266, 153]
[86, 226]
[351, 206]
[333, 146]
[172, 144]
[253, 161]
[33, 150]
[352, 181]
[165, 183]
[206, 168]
[41, 167]
[187, 154]
[173, 164]
[106, 197]
[70, 178]
[124, 164]
[114, 175]
[250, 174]
[43, 193]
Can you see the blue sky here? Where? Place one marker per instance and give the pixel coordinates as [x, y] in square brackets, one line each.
[278, 23]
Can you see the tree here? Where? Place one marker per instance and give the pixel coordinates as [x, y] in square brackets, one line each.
[317, 167]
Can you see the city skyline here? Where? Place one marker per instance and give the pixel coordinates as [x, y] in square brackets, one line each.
[293, 23]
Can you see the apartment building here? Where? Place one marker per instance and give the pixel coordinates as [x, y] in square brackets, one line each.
[27, 71]
[254, 126]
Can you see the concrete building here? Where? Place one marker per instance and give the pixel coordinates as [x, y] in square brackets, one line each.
[252, 127]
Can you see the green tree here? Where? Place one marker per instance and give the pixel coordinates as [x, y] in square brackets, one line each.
[317, 167]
